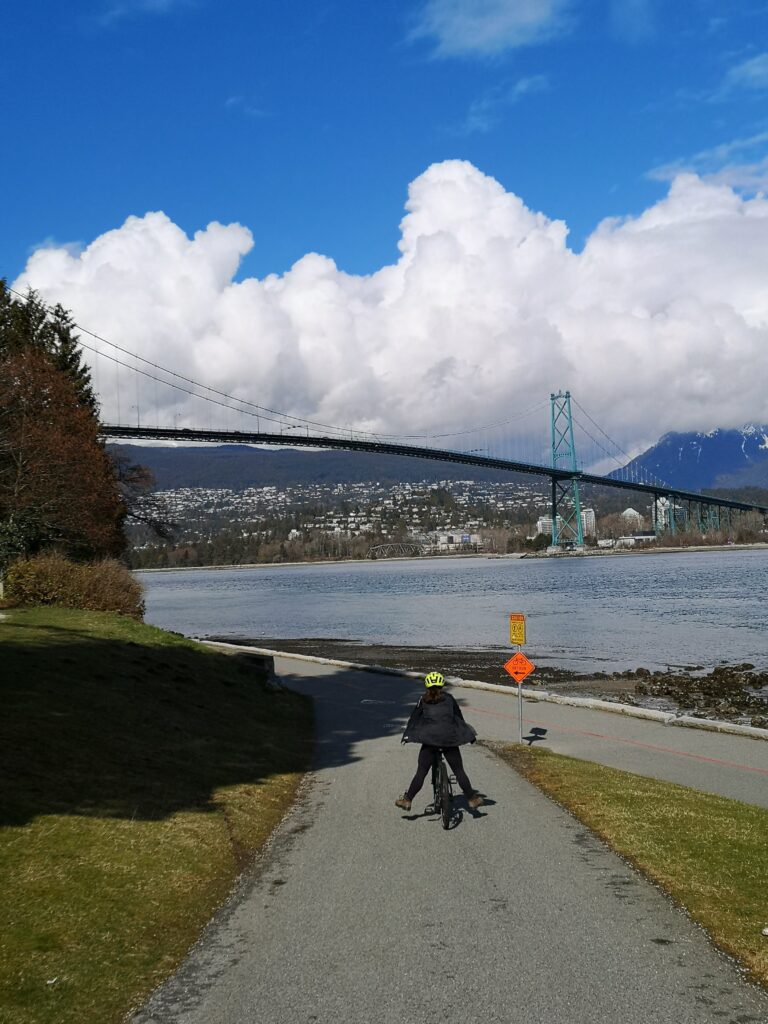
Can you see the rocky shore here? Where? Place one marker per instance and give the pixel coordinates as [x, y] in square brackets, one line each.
[734, 693]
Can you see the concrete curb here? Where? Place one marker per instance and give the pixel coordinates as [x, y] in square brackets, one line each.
[691, 722]
[357, 665]
[588, 703]
[594, 704]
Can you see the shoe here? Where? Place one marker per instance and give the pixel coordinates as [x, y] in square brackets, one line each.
[475, 801]
[403, 803]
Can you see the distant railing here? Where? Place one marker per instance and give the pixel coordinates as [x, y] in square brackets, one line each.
[405, 549]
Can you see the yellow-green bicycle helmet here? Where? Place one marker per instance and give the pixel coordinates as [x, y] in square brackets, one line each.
[434, 679]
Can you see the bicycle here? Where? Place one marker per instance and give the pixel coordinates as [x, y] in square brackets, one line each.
[441, 787]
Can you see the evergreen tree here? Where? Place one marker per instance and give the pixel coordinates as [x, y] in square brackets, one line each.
[29, 323]
[57, 483]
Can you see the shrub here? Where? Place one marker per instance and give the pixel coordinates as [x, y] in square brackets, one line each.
[105, 586]
[110, 587]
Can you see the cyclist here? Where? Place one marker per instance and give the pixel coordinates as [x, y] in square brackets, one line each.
[437, 723]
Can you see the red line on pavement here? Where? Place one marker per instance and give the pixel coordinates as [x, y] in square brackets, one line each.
[622, 739]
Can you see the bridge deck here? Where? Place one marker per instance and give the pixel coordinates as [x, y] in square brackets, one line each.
[414, 452]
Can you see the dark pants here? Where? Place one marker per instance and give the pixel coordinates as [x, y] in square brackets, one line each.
[452, 756]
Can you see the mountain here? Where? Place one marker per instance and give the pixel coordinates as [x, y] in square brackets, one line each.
[720, 459]
[238, 466]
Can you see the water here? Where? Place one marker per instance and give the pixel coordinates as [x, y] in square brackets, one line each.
[603, 613]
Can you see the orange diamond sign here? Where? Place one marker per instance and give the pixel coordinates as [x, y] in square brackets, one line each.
[519, 667]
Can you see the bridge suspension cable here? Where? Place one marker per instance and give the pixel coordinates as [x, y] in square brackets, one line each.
[643, 476]
[649, 477]
[246, 407]
[258, 410]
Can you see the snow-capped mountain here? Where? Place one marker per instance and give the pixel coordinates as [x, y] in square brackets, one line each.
[720, 458]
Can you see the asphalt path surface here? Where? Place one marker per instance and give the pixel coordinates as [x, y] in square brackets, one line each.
[359, 912]
[723, 763]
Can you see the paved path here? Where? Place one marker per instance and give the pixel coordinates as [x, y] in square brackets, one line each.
[360, 913]
[730, 765]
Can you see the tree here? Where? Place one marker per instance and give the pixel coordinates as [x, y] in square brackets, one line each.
[614, 525]
[57, 484]
[540, 542]
[29, 323]
[142, 507]
[39, 346]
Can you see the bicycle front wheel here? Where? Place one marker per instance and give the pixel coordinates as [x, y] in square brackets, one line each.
[445, 795]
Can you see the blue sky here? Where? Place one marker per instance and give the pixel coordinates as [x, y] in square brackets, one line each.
[263, 133]
[305, 121]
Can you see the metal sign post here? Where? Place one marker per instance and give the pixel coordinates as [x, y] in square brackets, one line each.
[520, 710]
[519, 667]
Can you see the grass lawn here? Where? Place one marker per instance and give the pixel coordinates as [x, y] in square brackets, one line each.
[709, 853]
[139, 773]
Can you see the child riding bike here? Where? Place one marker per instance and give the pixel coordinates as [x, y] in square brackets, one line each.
[437, 723]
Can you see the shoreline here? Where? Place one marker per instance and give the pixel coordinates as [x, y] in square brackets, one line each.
[726, 693]
[667, 550]
[515, 555]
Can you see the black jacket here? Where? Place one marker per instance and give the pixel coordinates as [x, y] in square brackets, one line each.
[439, 725]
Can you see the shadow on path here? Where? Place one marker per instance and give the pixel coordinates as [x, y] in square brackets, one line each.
[352, 707]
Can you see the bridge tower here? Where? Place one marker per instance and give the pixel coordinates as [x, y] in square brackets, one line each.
[567, 529]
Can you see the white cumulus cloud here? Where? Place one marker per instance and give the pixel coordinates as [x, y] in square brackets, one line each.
[660, 323]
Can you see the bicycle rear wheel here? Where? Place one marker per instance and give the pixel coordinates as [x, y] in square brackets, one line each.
[445, 795]
[436, 763]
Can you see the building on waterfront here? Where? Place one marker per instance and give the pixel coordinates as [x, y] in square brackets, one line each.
[544, 525]
[588, 523]
[458, 541]
[632, 540]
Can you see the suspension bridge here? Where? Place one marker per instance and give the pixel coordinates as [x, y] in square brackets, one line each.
[671, 508]
[132, 387]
